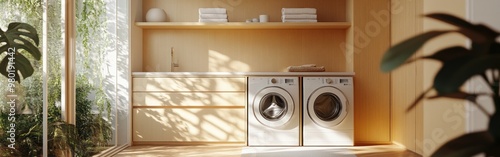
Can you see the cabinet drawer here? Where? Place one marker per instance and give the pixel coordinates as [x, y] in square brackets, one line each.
[189, 84]
[189, 125]
[189, 99]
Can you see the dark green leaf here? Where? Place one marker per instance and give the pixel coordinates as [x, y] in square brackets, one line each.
[419, 98]
[24, 66]
[453, 20]
[444, 74]
[481, 48]
[4, 65]
[449, 53]
[495, 48]
[30, 48]
[475, 36]
[494, 125]
[459, 95]
[478, 33]
[19, 36]
[466, 145]
[487, 31]
[494, 151]
[24, 26]
[398, 54]
[454, 73]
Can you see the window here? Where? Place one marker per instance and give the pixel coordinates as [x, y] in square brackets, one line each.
[100, 107]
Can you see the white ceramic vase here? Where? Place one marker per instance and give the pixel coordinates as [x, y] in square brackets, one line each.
[156, 15]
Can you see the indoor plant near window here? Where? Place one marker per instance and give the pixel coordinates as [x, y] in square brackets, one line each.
[91, 132]
[17, 38]
[459, 64]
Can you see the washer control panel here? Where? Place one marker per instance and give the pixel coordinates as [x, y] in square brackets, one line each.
[344, 81]
[284, 80]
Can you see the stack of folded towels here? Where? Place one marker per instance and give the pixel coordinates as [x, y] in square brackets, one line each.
[306, 68]
[299, 15]
[212, 15]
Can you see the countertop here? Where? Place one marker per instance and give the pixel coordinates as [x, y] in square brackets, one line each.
[235, 74]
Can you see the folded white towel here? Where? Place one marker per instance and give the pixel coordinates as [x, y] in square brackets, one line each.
[305, 69]
[283, 18]
[212, 20]
[300, 20]
[213, 16]
[308, 65]
[299, 16]
[212, 10]
[294, 20]
[285, 11]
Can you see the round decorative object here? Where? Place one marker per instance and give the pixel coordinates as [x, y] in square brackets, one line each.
[156, 15]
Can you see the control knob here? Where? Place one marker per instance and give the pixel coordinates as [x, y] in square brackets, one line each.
[329, 81]
[274, 81]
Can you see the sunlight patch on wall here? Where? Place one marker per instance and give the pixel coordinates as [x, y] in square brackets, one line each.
[218, 62]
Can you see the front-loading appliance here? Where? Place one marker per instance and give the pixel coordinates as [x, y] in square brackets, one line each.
[273, 111]
[328, 111]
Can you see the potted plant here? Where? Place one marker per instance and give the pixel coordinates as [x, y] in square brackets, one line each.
[459, 64]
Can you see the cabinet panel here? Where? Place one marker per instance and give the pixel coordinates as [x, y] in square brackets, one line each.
[189, 99]
[372, 87]
[189, 125]
[189, 84]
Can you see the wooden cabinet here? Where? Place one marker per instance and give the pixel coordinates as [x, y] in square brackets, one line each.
[188, 125]
[189, 110]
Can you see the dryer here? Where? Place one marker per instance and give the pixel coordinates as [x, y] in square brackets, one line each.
[273, 111]
[328, 111]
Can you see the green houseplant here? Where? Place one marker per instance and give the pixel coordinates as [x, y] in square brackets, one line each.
[459, 64]
[17, 37]
[91, 132]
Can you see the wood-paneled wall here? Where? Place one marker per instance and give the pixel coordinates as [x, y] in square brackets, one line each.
[438, 112]
[371, 30]
[405, 83]
[242, 50]
[274, 50]
[240, 10]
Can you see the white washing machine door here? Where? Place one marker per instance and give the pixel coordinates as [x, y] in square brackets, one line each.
[273, 107]
[327, 106]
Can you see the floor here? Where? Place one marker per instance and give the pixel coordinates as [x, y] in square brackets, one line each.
[238, 151]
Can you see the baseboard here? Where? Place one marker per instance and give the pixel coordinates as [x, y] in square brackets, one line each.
[369, 143]
[171, 143]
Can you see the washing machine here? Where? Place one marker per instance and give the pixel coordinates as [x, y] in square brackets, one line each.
[328, 111]
[273, 111]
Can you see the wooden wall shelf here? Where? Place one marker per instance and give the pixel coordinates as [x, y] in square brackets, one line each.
[242, 25]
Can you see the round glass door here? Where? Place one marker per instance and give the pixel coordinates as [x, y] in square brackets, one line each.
[327, 106]
[273, 107]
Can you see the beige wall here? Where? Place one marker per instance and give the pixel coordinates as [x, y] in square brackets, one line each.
[480, 12]
[136, 36]
[371, 38]
[405, 85]
[444, 119]
[433, 122]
